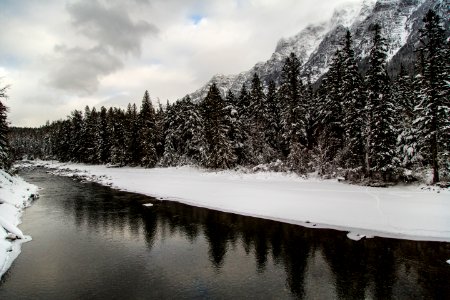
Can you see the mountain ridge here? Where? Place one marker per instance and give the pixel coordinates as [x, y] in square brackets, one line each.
[316, 44]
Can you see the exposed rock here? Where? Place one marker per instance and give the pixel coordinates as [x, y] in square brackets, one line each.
[316, 44]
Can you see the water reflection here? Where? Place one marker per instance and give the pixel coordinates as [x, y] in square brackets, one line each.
[313, 263]
[368, 268]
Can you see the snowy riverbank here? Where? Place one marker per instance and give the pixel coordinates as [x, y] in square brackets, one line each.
[14, 197]
[406, 212]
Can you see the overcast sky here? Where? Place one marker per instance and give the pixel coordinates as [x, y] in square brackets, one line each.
[63, 55]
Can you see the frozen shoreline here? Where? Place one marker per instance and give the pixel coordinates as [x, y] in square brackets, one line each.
[15, 195]
[404, 212]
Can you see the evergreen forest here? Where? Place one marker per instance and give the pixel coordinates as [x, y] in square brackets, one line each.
[363, 126]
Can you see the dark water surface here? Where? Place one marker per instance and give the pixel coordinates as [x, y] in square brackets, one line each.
[91, 242]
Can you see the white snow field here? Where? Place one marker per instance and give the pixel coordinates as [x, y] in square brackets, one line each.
[14, 197]
[406, 212]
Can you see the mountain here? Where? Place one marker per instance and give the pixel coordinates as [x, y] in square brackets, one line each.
[316, 44]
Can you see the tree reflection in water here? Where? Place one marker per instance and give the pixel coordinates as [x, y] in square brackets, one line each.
[371, 268]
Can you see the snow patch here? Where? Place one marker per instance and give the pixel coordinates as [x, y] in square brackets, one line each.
[405, 212]
[148, 204]
[357, 236]
[15, 195]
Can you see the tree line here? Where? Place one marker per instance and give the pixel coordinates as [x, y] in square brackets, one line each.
[364, 126]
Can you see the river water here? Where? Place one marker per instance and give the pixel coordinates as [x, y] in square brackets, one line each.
[92, 242]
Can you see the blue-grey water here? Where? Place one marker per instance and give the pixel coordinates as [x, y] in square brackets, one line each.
[92, 242]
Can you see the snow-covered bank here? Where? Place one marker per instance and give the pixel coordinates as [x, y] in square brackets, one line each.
[407, 212]
[15, 195]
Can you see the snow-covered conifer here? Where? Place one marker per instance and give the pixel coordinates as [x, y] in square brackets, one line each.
[220, 152]
[380, 112]
[433, 120]
[147, 134]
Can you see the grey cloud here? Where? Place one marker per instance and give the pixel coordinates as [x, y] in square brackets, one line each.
[79, 70]
[110, 26]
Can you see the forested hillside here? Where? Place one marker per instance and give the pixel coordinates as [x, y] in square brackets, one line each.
[363, 126]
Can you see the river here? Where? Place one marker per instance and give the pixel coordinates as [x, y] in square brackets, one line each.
[92, 242]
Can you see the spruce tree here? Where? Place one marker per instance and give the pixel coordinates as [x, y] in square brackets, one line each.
[273, 118]
[257, 103]
[103, 138]
[290, 95]
[243, 104]
[160, 134]
[433, 122]
[193, 148]
[403, 97]
[246, 156]
[236, 133]
[352, 94]
[330, 132]
[220, 153]
[76, 137]
[293, 115]
[88, 145]
[311, 114]
[147, 133]
[380, 113]
[117, 128]
[171, 155]
[258, 122]
[132, 135]
[4, 144]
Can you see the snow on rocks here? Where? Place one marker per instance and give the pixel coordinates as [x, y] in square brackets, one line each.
[357, 236]
[15, 195]
[405, 212]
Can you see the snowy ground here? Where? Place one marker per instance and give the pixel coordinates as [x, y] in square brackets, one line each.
[14, 197]
[406, 212]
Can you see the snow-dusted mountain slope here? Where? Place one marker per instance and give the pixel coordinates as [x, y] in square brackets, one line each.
[316, 44]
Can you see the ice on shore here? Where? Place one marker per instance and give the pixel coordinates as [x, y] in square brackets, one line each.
[15, 195]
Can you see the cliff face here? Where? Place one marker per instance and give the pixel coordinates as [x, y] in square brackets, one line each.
[316, 44]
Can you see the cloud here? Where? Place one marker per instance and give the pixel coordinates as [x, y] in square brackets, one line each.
[64, 55]
[79, 70]
[110, 26]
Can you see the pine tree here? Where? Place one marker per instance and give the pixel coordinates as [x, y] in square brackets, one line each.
[245, 155]
[60, 139]
[160, 134]
[380, 134]
[117, 129]
[433, 122]
[403, 97]
[311, 114]
[88, 146]
[193, 148]
[4, 143]
[220, 150]
[103, 138]
[132, 135]
[236, 130]
[352, 95]
[76, 137]
[147, 132]
[273, 118]
[243, 104]
[171, 155]
[257, 102]
[290, 94]
[258, 122]
[293, 115]
[330, 132]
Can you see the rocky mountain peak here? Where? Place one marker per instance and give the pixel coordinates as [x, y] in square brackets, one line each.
[316, 44]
